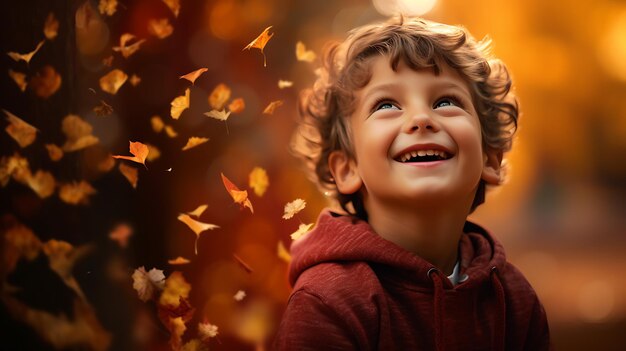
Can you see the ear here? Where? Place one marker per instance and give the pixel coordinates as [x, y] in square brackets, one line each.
[492, 167]
[345, 172]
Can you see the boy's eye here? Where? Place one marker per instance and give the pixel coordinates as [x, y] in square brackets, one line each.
[385, 105]
[447, 101]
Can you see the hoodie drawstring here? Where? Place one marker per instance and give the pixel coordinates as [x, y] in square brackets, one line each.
[498, 340]
[433, 273]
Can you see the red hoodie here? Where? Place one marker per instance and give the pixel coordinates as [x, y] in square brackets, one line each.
[354, 290]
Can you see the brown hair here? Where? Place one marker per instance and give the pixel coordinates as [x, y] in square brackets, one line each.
[324, 109]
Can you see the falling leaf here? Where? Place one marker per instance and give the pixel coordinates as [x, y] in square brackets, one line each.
[130, 173]
[62, 257]
[236, 105]
[103, 109]
[106, 164]
[107, 61]
[303, 229]
[42, 183]
[23, 133]
[51, 27]
[19, 78]
[177, 329]
[14, 166]
[157, 123]
[19, 242]
[207, 330]
[174, 5]
[138, 150]
[219, 96]
[120, 234]
[107, 7]
[258, 180]
[198, 211]
[302, 54]
[282, 84]
[178, 261]
[260, 43]
[46, 82]
[269, 110]
[239, 196]
[193, 142]
[134, 80]
[113, 81]
[282, 252]
[92, 32]
[243, 264]
[160, 28]
[221, 115]
[148, 283]
[175, 287]
[76, 193]
[196, 226]
[179, 104]
[240, 295]
[194, 75]
[78, 133]
[153, 153]
[28, 56]
[170, 131]
[195, 345]
[293, 207]
[125, 49]
[54, 152]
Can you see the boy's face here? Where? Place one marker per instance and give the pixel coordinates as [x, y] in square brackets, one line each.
[416, 137]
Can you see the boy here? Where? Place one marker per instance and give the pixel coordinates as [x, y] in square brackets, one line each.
[407, 124]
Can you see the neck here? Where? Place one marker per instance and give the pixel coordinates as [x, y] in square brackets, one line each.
[431, 233]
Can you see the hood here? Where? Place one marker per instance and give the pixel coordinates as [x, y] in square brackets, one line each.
[343, 238]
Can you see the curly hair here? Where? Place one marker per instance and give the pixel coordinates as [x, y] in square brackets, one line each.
[324, 109]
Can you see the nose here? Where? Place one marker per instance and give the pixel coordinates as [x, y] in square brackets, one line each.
[420, 121]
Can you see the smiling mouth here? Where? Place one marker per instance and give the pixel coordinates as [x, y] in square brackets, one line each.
[416, 156]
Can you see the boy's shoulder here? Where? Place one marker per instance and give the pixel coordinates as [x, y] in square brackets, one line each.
[338, 281]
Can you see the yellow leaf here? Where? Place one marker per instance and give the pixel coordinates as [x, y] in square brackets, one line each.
[196, 226]
[120, 234]
[198, 211]
[177, 329]
[42, 183]
[282, 84]
[179, 104]
[130, 173]
[236, 105]
[134, 80]
[23, 133]
[14, 166]
[46, 82]
[302, 54]
[78, 133]
[170, 131]
[303, 229]
[174, 5]
[178, 261]
[148, 283]
[193, 142]
[157, 123]
[113, 81]
[25, 57]
[258, 180]
[221, 115]
[153, 153]
[192, 76]
[293, 207]
[282, 252]
[272, 107]
[239, 196]
[175, 287]
[206, 331]
[139, 150]
[19, 78]
[260, 43]
[54, 152]
[19, 242]
[125, 49]
[51, 27]
[160, 28]
[107, 7]
[219, 96]
[195, 345]
[76, 193]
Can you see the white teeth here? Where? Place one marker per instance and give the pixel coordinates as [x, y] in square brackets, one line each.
[421, 153]
[407, 156]
[430, 152]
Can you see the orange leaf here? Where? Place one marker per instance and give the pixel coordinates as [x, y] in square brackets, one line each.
[196, 226]
[239, 196]
[198, 211]
[120, 234]
[170, 131]
[113, 81]
[46, 82]
[23, 133]
[178, 261]
[140, 152]
[42, 183]
[125, 49]
[302, 54]
[293, 207]
[78, 133]
[260, 43]
[76, 193]
[237, 105]
[174, 5]
[153, 153]
[192, 76]
[54, 152]
[107, 7]
[134, 80]
[258, 180]
[272, 107]
[180, 104]
[219, 96]
[106, 164]
[130, 173]
[25, 57]
[221, 115]
[193, 142]
[175, 287]
[160, 28]
[303, 229]
[51, 27]
[282, 84]
[19, 78]
[157, 123]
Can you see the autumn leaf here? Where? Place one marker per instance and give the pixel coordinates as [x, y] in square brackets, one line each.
[206, 331]
[25, 57]
[148, 283]
[198, 211]
[76, 193]
[19, 78]
[153, 153]
[138, 150]
[175, 287]
[54, 152]
[260, 43]
[258, 180]
[239, 196]
[195, 345]
[196, 226]
[78, 133]
[157, 123]
[239, 295]
[293, 207]
[107, 7]
[113, 81]
[14, 166]
[134, 80]
[125, 49]
[179, 104]
[178, 261]
[120, 234]
[220, 115]
[23, 133]
[219, 96]
[103, 109]
[51, 27]
[282, 84]
[237, 105]
[174, 5]
[243, 264]
[169, 130]
[160, 28]
[269, 110]
[107, 61]
[303, 229]
[42, 183]
[106, 164]
[193, 142]
[192, 76]
[62, 257]
[177, 329]
[282, 252]
[302, 54]
[130, 173]
[46, 82]
[19, 242]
